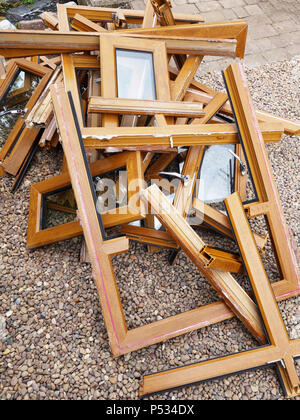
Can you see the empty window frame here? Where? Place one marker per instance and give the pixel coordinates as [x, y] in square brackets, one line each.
[38, 236]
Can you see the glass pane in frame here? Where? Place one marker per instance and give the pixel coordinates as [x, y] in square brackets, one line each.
[135, 74]
[19, 83]
[14, 101]
[217, 174]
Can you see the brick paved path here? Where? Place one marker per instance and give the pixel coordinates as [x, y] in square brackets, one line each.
[274, 26]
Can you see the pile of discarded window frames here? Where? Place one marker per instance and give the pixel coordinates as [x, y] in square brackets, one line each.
[118, 89]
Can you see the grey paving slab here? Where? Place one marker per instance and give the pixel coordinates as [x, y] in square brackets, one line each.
[186, 8]
[259, 31]
[258, 20]
[276, 54]
[240, 12]
[294, 49]
[208, 6]
[281, 41]
[229, 14]
[254, 60]
[213, 16]
[253, 10]
[229, 4]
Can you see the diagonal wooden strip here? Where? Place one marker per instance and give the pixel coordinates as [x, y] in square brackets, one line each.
[220, 222]
[204, 97]
[50, 20]
[184, 78]
[212, 108]
[82, 24]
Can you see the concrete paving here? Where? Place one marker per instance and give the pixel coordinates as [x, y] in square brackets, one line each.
[274, 26]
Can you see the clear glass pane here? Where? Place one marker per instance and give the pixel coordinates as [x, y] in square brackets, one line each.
[135, 74]
[19, 83]
[217, 174]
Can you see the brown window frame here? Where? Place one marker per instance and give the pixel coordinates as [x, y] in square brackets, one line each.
[20, 140]
[37, 236]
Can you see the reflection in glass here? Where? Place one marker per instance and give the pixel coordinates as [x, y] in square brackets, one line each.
[216, 174]
[135, 74]
[19, 83]
[111, 189]
[14, 101]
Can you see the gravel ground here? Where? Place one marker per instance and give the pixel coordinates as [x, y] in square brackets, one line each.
[53, 342]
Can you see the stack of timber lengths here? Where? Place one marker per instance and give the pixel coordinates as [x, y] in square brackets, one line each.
[145, 145]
